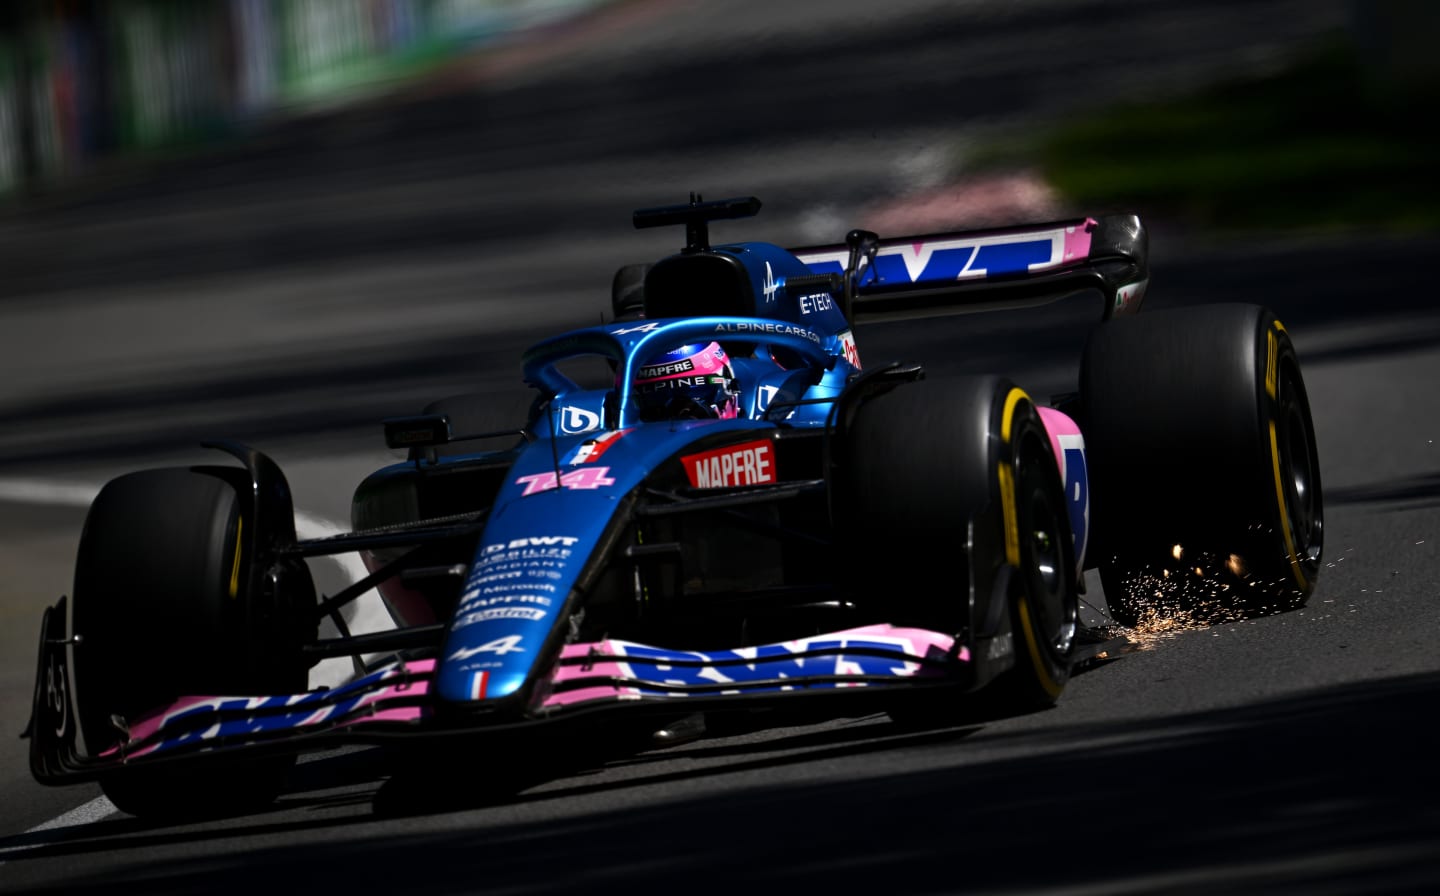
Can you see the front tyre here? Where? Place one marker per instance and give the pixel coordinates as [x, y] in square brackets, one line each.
[163, 607]
[1044, 593]
[957, 477]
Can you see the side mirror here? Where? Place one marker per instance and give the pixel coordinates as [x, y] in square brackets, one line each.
[421, 431]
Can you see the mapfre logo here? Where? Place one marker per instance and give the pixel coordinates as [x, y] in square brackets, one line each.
[751, 463]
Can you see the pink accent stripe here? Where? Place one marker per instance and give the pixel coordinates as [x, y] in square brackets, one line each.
[1061, 429]
[415, 682]
[1057, 424]
[1077, 240]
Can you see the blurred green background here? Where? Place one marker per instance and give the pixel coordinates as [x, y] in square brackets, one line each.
[1338, 140]
[1326, 145]
[86, 81]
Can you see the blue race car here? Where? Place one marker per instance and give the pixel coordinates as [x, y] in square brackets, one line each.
[714, 516]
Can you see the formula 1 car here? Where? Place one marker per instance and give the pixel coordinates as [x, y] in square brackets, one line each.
[712, 508]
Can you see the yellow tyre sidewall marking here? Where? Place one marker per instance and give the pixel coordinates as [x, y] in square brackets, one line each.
[1007, 479]
[1012, 545]
[1272, 369]
[1272, 388]
[235, 564]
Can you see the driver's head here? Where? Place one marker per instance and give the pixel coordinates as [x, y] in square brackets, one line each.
[692, 381]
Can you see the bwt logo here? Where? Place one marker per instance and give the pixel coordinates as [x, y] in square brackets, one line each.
[771, 663]
[534, 541]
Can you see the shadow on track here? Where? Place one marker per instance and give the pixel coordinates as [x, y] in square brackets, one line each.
[1274, 797]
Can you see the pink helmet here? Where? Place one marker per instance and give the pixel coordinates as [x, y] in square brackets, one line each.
[692, 381]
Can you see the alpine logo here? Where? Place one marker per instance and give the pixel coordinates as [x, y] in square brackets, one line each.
[770, 287]
[750, 463]
[646, 327]
[499, 647]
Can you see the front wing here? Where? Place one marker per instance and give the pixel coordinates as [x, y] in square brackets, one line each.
[398, 701]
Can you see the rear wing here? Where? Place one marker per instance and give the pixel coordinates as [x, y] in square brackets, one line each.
[951, 273]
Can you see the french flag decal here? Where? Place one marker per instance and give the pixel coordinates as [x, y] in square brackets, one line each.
[591, 449]
[478, 682]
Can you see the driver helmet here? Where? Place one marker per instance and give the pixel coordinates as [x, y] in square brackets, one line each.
[693, 381]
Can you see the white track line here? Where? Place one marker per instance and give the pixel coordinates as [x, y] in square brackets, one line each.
[97, 809]
[367, 614]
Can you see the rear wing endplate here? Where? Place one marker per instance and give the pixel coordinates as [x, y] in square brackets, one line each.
[950, 273]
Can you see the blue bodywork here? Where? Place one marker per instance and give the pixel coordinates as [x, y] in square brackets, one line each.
[544, 521]
[556, 505]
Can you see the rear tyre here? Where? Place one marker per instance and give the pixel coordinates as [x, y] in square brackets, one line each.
[1203, 463]
[627, 292]
[927, 464]
[163, 608]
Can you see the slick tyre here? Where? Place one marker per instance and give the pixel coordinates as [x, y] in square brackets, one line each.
[162, 608]
[1205, 476]
[957, 477]
[627, 292]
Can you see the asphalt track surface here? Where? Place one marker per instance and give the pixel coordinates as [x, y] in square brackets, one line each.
[360, 264]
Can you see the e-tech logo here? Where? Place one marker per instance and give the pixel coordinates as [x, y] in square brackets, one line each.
[819, 301]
